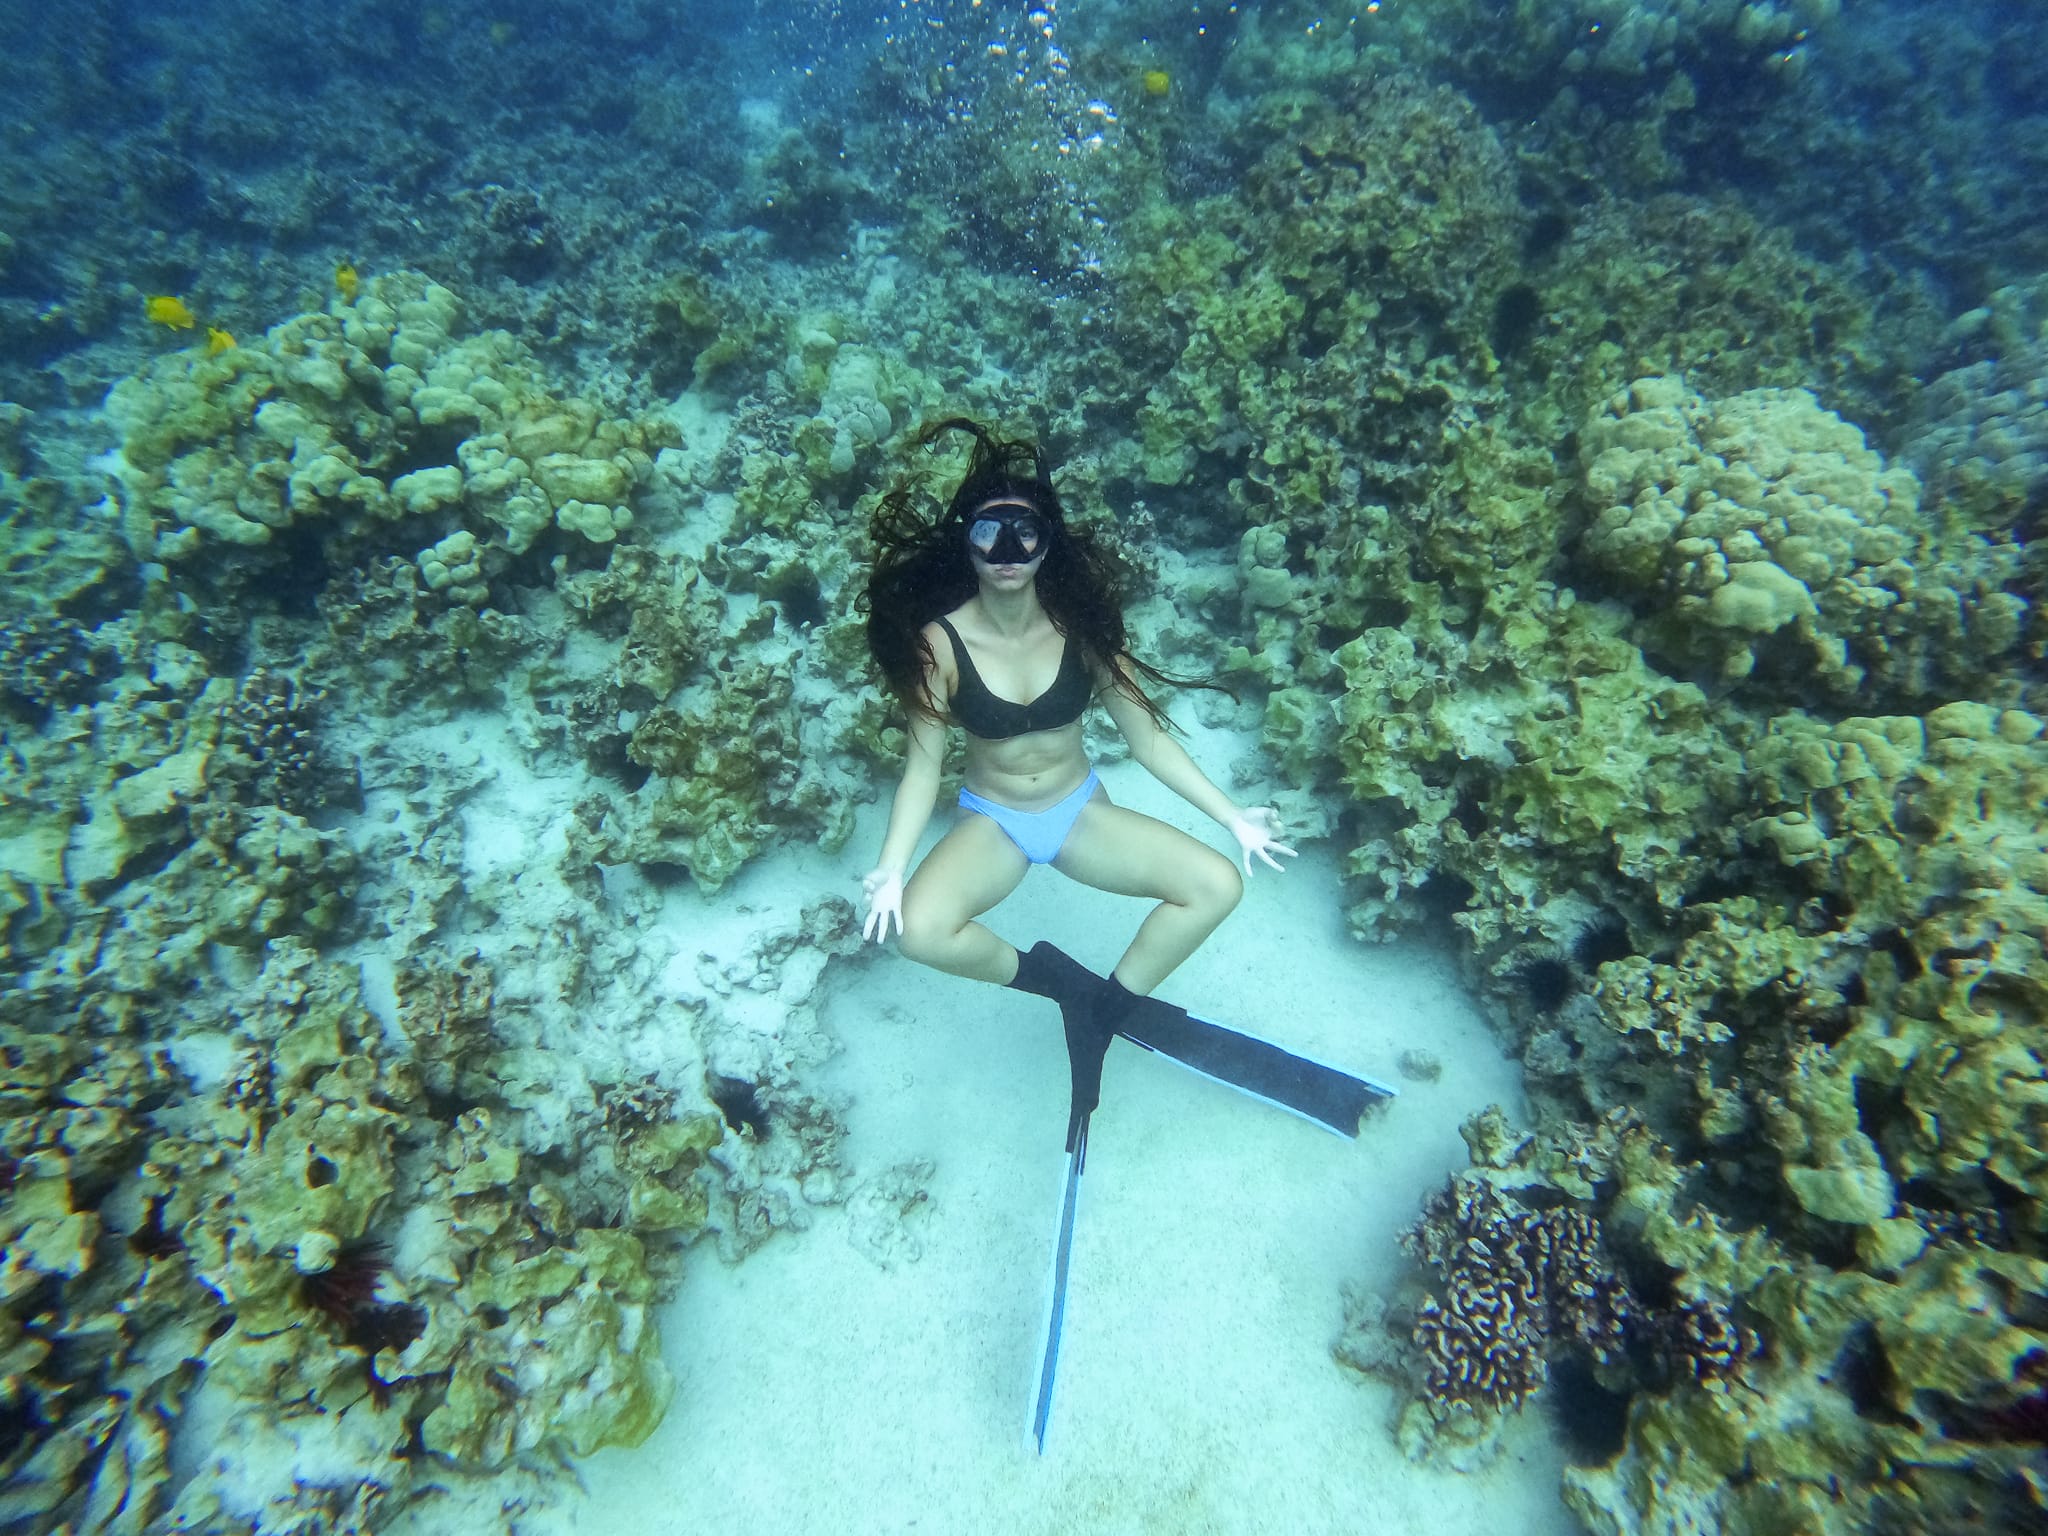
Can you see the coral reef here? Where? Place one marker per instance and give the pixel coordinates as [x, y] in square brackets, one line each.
[783, 1153]
[46, 662]
[340, 1239]
[363, 427]
[1980, 434]
[1522, 404]
[721, 751]
[1535, 1256]
[338, 1271]
[1510, 1279]
[1778, 992]
[1759, 533]
[1640, 101]
[1766, 1392]
[1949, 874]
[375, 1213]
[268, 743]
[1580, 40]
[1685, 285]
[1374, 237]
[1922, 1365]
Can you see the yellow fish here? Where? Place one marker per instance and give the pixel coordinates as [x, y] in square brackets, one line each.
[164, 309]
[1157, 82]
[217, 341]
[347, 281]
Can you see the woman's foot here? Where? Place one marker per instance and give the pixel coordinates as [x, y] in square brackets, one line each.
[1090, 1008]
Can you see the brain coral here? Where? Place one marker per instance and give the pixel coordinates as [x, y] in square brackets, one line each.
[1760, 535]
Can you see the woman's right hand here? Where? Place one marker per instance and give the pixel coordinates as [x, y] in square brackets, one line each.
[884, 891]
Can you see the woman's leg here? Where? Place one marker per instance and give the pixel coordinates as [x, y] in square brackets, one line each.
[973, 867]
[1132, 854]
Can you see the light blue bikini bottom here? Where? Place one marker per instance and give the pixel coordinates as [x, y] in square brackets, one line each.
[1040, 834]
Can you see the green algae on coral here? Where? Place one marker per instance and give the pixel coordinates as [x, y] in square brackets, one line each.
[1760, 532]
[314, 425]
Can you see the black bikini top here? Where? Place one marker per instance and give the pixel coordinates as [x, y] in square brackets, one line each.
[982, 714]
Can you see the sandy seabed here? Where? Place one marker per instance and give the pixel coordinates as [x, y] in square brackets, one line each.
[823, 1386]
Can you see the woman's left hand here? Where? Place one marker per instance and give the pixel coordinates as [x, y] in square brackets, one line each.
[1258, 831]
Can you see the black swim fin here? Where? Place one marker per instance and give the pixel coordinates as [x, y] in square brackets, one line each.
[1327, 1095]
[1049, 971]
[1087, 1004]
[1330, 1097]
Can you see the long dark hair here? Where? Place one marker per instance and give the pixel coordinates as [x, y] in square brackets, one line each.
[922, 571]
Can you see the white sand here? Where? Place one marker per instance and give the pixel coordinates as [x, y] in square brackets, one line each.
[1196, 1393]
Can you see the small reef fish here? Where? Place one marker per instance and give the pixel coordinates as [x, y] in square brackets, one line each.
[1157, 82]
[347, 281]
[217, 341]
[166, 309]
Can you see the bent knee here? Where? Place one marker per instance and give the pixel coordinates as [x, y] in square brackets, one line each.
[926, 936]
[1217, 886]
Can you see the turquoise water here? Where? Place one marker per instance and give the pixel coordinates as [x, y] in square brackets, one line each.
[1601, 450]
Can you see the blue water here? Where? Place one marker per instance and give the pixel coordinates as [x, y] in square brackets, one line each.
[1602, 449]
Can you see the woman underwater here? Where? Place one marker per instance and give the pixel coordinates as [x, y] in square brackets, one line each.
[995, 603]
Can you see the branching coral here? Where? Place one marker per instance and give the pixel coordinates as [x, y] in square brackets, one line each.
[47, 662]
[269, 730]
[1705, 1339]
[1481, 1346]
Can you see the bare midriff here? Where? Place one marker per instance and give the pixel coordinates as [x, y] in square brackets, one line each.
[1030, 772]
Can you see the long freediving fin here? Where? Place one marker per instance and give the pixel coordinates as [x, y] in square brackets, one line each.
[1063, 1245]
[1332, 1098]
[1087, 1043]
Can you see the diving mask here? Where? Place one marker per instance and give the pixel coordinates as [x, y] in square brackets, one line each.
[1007, 534]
